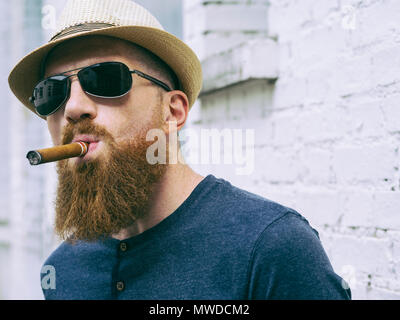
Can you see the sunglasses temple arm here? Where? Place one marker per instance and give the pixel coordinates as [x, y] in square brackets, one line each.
[154, 80]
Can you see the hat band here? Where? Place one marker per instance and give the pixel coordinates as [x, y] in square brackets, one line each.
[81, 28]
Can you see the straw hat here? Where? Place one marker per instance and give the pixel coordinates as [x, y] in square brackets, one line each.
[123, 19]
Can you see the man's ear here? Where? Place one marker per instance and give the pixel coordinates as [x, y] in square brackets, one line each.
[176, 109]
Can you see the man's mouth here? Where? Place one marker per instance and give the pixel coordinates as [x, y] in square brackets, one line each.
[93, 144]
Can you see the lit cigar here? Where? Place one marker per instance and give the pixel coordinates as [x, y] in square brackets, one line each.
[76, 149]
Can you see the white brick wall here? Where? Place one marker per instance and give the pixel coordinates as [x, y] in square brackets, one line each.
[328, 136]
[222, 23]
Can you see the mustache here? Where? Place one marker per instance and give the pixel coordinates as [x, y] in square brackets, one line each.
[85, 126]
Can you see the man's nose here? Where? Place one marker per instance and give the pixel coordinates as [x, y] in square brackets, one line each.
[79, 104]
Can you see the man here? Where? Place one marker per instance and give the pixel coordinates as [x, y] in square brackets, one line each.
[135, 229]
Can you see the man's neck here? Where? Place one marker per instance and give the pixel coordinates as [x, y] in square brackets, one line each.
[174, 188]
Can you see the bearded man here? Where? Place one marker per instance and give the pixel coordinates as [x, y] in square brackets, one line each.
[138, 230]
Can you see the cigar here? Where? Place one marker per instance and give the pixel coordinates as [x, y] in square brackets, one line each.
[76, 149]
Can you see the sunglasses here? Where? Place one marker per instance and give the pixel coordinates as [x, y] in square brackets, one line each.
[103, 80]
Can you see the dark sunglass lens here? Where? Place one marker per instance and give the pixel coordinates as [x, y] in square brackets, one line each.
[106, 79]
[50, 94]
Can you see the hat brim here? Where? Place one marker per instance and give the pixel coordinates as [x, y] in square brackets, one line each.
[179, 56]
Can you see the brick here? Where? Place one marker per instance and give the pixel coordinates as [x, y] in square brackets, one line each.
[367, 119]
[391, 112]
[353, 163]
[249, 100]
[317, 165]
[262, 155]
[386, 283]
[395, 246]
[353, 74]
[311, 125]
[367, 255]
[198, 45]
[236, 17]
[384, 65]
[241, 102]
[320, 207]
[194, 21]
[382, 294]
[358, 209]
[251, 60]
[286, 18]
[312, 47]
[319, 84]
[189, 5]
[263, 130]
[215, 107]
[386, 209]
[285, 125]
[279, 166]
[289, 92]
[383, 16]
[211, 27]
[218, 42]
[336, 123]
[320, 9]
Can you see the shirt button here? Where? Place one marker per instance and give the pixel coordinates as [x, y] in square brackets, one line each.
[120, 285]
[123, 247]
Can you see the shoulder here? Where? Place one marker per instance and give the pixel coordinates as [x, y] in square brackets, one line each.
[288, 261]
[233, 205]
[252, 222]
[61, 252]
[64, 259]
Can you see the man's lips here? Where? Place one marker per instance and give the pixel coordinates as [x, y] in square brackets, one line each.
[92, 141]
[92, 146]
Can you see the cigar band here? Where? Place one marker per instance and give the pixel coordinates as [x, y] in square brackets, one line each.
[84, 148]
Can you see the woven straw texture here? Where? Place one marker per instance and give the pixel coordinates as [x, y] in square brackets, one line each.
[115, 12]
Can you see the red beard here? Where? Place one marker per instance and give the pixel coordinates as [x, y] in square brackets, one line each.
[98, 198]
